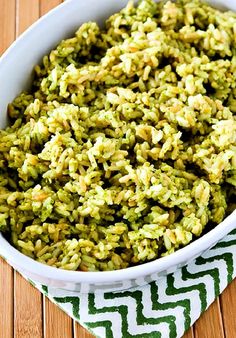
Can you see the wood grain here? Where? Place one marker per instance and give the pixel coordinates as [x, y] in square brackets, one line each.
[210, 324]
[27, 11]
[24, 313]
[6, 300]
[27, 309]
[7, 23]
[56, 323]
[228, 306]
[189, 333]
[46, 5]
[80, 332]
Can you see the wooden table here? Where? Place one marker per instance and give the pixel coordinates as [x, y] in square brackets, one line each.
[24, 312]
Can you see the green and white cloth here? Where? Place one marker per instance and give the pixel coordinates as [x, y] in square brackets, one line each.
[165, 308]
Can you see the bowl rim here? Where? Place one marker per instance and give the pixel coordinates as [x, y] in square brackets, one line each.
[16, 258]
[193, 249]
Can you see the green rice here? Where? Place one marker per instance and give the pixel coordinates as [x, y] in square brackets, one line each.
[124, 149]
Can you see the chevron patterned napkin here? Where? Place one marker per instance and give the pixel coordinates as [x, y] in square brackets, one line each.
[165, 308]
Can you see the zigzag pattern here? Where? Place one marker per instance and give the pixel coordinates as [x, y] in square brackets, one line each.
[162, 309]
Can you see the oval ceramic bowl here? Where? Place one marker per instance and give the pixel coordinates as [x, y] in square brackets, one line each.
[15, 72]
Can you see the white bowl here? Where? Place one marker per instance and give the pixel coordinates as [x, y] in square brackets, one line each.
[15, 72]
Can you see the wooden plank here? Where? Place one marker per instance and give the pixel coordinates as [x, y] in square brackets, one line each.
[6, 300]
[228, 307]
[56, 322]
[7, 24]
[210, 324]
[189, 333]
[46, 5]
[27, 11]
[27, 309]
[81, 332]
